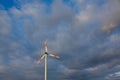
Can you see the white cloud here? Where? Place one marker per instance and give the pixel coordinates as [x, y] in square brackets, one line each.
[75, 43]
[5, 23]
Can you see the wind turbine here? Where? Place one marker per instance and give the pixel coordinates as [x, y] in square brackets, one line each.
[45, 54]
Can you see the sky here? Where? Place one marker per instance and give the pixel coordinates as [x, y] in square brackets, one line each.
[84, 33]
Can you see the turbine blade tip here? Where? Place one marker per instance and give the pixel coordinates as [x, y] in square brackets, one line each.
[37, 62]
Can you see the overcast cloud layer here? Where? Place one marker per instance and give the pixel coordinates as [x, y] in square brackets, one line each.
[85, 33]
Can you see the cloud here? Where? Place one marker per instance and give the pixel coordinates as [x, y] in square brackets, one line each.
[81, 38]
[5, 28]
[111, 16]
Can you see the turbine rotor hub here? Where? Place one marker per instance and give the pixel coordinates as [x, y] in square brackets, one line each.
[46, 53]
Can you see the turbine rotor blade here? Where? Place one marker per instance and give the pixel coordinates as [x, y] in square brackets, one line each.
[45, 45]
[54, 56]
[40, 59]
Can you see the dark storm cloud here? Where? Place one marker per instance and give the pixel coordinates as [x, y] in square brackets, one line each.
[81, 38]
[88, 45]
[111, 16]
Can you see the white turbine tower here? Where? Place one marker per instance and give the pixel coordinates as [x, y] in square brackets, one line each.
[45, 54]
